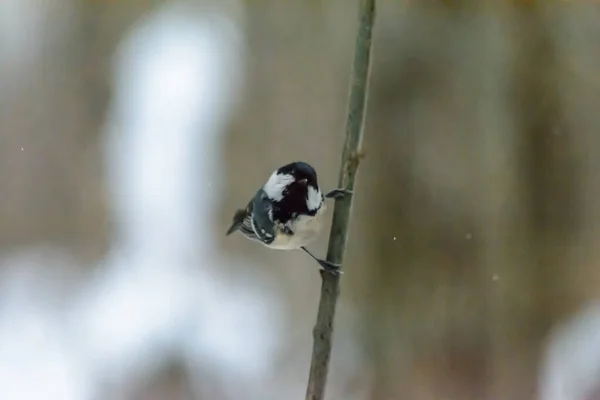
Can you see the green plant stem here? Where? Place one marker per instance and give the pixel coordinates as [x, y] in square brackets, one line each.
[330, 288]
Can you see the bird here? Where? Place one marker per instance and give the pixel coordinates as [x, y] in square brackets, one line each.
[286, 213]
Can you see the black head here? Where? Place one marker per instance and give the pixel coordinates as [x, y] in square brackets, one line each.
[293, 190]
[302, 172]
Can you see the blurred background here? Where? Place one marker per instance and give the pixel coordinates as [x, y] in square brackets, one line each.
[130, 131]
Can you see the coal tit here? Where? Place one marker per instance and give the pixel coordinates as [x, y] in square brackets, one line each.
[286, 213]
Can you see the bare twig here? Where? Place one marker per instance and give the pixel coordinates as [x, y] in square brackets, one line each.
[323, 329]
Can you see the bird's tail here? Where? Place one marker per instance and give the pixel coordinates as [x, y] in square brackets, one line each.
[238, 220]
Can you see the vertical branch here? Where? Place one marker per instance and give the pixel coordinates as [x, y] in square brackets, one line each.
[323, 330]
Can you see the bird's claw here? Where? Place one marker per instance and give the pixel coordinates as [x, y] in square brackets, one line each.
[339, 193]
[330, 267]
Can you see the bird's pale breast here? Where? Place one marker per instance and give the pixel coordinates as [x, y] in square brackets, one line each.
[306, 228]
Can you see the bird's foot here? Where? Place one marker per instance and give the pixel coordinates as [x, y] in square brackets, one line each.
[339, 193]
[330, 267]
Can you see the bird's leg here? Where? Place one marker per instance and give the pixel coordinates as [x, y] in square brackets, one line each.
[325, 265]
[339, 193]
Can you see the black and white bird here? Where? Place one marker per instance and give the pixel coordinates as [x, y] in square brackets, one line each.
[286, 213]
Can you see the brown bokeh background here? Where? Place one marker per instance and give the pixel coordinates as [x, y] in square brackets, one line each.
[477, 210]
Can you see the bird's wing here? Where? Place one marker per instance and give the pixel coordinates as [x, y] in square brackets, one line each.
[247, 229]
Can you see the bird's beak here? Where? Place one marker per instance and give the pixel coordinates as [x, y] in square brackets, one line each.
[302, 182]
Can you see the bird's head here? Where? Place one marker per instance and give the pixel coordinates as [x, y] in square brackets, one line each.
[297, 180]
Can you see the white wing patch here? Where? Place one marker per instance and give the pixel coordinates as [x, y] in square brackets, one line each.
[315, 198]
[276, 185]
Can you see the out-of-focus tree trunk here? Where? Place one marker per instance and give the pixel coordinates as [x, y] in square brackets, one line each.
[428, 302]
[575, 33]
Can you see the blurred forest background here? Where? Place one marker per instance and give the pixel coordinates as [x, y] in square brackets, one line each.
[475, 221]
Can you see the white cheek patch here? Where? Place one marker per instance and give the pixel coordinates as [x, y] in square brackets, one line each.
[315, 198]
[276, 184]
